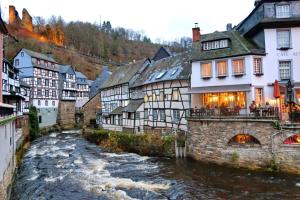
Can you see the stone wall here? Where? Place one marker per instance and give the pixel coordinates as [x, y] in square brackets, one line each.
[5, 184]
[66, 113]
[208, 141]
[90, 109]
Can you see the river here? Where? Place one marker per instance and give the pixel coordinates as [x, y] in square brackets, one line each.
[67, 167]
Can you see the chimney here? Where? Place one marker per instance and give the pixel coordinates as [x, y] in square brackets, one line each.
[196, 33]
[229, 27]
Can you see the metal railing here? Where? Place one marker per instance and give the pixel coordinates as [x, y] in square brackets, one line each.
[233, 113]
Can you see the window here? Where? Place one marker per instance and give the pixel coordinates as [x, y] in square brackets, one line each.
[17, 62]
[53, 93]
[138, 115]
[206, 70]
[154, 98]
[47, 93]
[219, 44]
[155, 114]
[130, 115]
[50, 74]
[222, 68]
[4, 69]
[161, 96]
[46, 103]
[175, 95]
[238, 67]
[39, 102]
[283, 39]
[39, 93]
[283, 11]
[47, 82]
[176, 116]
[4, 85]
[259, 95]
[146, 115]
[39, 81]
[53, 102]
[40, 119]
[160, 75]
[53, 83]
[285, 70]
[257, 65]
[162, 115]
[22, 54]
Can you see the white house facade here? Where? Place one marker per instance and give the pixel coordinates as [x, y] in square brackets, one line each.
[41, 73]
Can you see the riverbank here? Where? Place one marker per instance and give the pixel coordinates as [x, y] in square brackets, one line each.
[142, 144]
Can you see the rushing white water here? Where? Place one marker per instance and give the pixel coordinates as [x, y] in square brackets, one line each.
[67, 167]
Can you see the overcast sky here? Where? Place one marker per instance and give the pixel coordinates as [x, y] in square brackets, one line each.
[164, 19]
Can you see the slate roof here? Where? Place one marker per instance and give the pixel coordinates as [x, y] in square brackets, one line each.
[133, 105]
[175, 67]
[123, 74]
[238, 46]
[117, 111]
[39, 55]
[80, 75]
[63, 69]
[90, 82]
[100, 80]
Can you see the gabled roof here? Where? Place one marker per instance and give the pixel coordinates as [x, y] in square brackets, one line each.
[175, 67]
[163, 52]
[90, 82]
[117, 111]
[80, 75]
[64, 69]
[39, 55]
[123, 74]
[238, 46]
[100, 80]
[133, 105]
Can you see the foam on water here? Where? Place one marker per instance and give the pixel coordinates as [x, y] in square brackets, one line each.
[54, 179]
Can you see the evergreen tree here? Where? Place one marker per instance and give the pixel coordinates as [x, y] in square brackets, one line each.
[33, 123]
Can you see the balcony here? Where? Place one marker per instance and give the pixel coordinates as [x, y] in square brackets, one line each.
[234, 113]
[6, 113]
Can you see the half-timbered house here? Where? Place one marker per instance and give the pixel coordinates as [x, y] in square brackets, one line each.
[164, 87]
[41, 72]
[67, 95]
[115, 96]
[83, 89]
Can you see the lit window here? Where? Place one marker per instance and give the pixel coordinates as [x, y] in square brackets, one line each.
[243, 139]
[206, 70]
[257, 64]
[259, 96]
[175, 95]
[222, 68]
[295, 139]
[285, 70]
[238, 67]
[283, 11]
[283, 39]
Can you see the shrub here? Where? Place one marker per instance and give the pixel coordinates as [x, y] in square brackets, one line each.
[33, 123]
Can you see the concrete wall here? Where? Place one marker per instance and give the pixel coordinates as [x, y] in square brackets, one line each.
[7, 158]
[208, 141]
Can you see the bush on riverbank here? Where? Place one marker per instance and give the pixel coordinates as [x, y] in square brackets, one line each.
[33, 123]
[143, 144]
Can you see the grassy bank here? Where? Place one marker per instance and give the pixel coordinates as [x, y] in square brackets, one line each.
[142, 144]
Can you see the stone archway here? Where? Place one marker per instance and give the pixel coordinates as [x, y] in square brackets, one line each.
[292, 140]
[243, 139]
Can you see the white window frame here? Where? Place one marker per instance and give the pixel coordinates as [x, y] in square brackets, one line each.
[281, 41]
[283, 75]
[239, 71]
[283, 11]
[258, 70]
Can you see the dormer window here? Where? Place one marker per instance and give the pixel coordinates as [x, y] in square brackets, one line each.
[283, 11]
[218, 44]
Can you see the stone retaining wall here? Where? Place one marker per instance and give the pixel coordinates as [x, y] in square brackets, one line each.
[5, 184]
[208, 141]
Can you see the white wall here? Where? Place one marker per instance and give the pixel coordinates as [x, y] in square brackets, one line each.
[7, 149]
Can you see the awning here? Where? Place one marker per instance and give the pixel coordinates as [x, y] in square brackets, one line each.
[133, 105]
[218, 89]
[117, 111]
